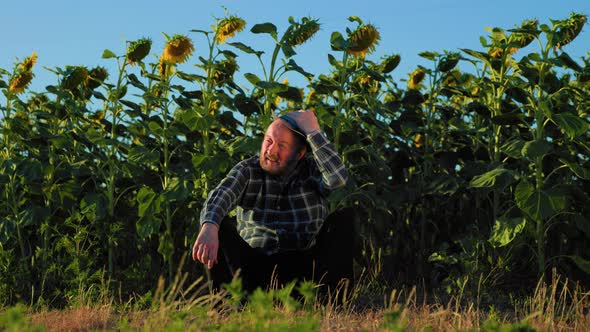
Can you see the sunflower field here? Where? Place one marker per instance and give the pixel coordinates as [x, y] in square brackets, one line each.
[472, 173]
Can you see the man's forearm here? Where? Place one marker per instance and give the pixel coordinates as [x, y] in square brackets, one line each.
[334, 174]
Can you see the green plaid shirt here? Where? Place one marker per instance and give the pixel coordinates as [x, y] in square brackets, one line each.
[277, 214]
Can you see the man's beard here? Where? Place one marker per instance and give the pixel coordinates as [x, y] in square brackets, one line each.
[289, 165]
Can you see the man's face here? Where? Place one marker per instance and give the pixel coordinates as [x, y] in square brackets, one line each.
[279, 153]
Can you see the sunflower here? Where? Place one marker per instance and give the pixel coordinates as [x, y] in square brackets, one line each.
[74, 77]
[138, 50]
[96, 76]
[310, 97]
[162, 66]
[363, 40]
[569, 29]
[20, 82]
[527, 35]
[228, 27]
[416, 78]
[299, 33]
[390, 63]
[224, 70]
[177, 50]
[497, 52]
[29, 62]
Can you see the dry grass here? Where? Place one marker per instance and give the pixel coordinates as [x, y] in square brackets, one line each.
[80, 319]
[557, 306]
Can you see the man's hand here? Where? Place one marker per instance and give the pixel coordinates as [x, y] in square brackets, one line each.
[306, 120]
[206, 245]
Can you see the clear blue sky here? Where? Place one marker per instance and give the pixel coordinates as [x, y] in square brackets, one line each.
[74, 32]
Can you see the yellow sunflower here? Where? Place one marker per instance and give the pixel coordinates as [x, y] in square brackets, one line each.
[177, 50]
[363, 40]
[20, 82]
[228, 27]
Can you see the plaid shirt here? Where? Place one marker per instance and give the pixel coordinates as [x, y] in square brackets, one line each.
[277, 214]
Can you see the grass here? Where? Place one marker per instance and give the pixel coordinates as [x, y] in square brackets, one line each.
[179, 306]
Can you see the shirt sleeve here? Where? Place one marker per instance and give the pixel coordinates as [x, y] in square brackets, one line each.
[334, 174]
[225, 196]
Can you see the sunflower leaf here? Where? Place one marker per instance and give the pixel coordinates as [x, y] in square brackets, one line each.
[107, 54]
[268, 28]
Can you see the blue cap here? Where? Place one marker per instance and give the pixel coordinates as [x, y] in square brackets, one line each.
[291, 124]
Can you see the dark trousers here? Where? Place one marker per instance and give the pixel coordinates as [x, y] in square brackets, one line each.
[328, 263]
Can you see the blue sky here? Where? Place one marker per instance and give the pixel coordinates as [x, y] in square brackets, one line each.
[74, 32]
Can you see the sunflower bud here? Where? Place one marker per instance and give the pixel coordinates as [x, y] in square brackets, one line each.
[363, 40]
[299, 33]
[418, 140]
[228, 27]
[177, 50]
[570, 29]
[390, 63]
[224, 70]
[74, 77]
[96, 76]
[162, 67]
[29, 62]
[498, 52]
[138, 50]
[527, 34]
[416, 78]
[311, 96]
[214, 106]
[20, 82]
[37, 102]
[448, 62]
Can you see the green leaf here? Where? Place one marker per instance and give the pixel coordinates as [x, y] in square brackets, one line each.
[253, 79]
[442, 257]
[566, 61]
[337, 42]
[513, 147]
[478, 55]
[148, 202]
[198, 160]
[497, 178]
[580, 171]
[144, 156]
[333, 62]
[149, 206]
[177, 190]
[292, 65]
[505, 230]
[581, 263]
[243, 145]
[245, 48]
[288, 51]
[535, 149]
[355, 19]
[94, 206]
[265, 28]
[156, 128]
[189, 77]
[272, 87]
[539, 205]
[34, 215]
[196, 121]
[570, 124]
[107, 54]
[428, 55]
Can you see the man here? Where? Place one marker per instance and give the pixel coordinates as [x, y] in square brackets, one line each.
[280, 201]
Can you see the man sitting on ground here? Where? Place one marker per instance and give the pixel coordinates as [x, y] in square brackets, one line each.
[280, 199]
